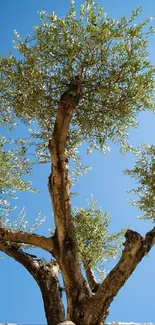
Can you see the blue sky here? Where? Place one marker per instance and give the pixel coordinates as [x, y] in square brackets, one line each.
[20, 299]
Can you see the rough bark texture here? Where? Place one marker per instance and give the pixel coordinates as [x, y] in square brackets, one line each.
[52, 295]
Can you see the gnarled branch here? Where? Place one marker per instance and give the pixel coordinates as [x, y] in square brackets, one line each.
[136, 247]
[8, 235]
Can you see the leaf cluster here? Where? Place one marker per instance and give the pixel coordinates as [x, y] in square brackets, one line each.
[14, 166]
[95, 242]
[144, 174]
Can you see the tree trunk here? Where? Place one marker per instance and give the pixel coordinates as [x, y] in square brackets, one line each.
[52, 296]
[64, 240]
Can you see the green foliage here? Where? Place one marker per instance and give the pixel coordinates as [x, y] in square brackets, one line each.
[96, 244]
[14, 166]
[110, 57]
[21, 222]
[144, 173]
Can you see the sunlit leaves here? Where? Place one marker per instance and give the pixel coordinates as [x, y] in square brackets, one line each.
[22, 223]
[144, 174]
[14, 166]
[96, 244]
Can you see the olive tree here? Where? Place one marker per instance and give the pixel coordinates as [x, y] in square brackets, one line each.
[79, 79]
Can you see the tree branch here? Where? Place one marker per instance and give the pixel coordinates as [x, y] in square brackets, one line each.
[47, 279]
[149, 240]
[94, 285]
[25, 259]
[136, 247]
[8, 235]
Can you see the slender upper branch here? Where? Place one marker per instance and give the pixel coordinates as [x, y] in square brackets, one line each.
[149, 240]
[68, 101]
[94, 285]
[9, 235]
[136, 247]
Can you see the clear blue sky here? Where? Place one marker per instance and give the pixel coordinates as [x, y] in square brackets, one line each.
[20, 299]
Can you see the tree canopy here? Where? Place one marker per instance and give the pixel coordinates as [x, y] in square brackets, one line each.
[108, 59]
